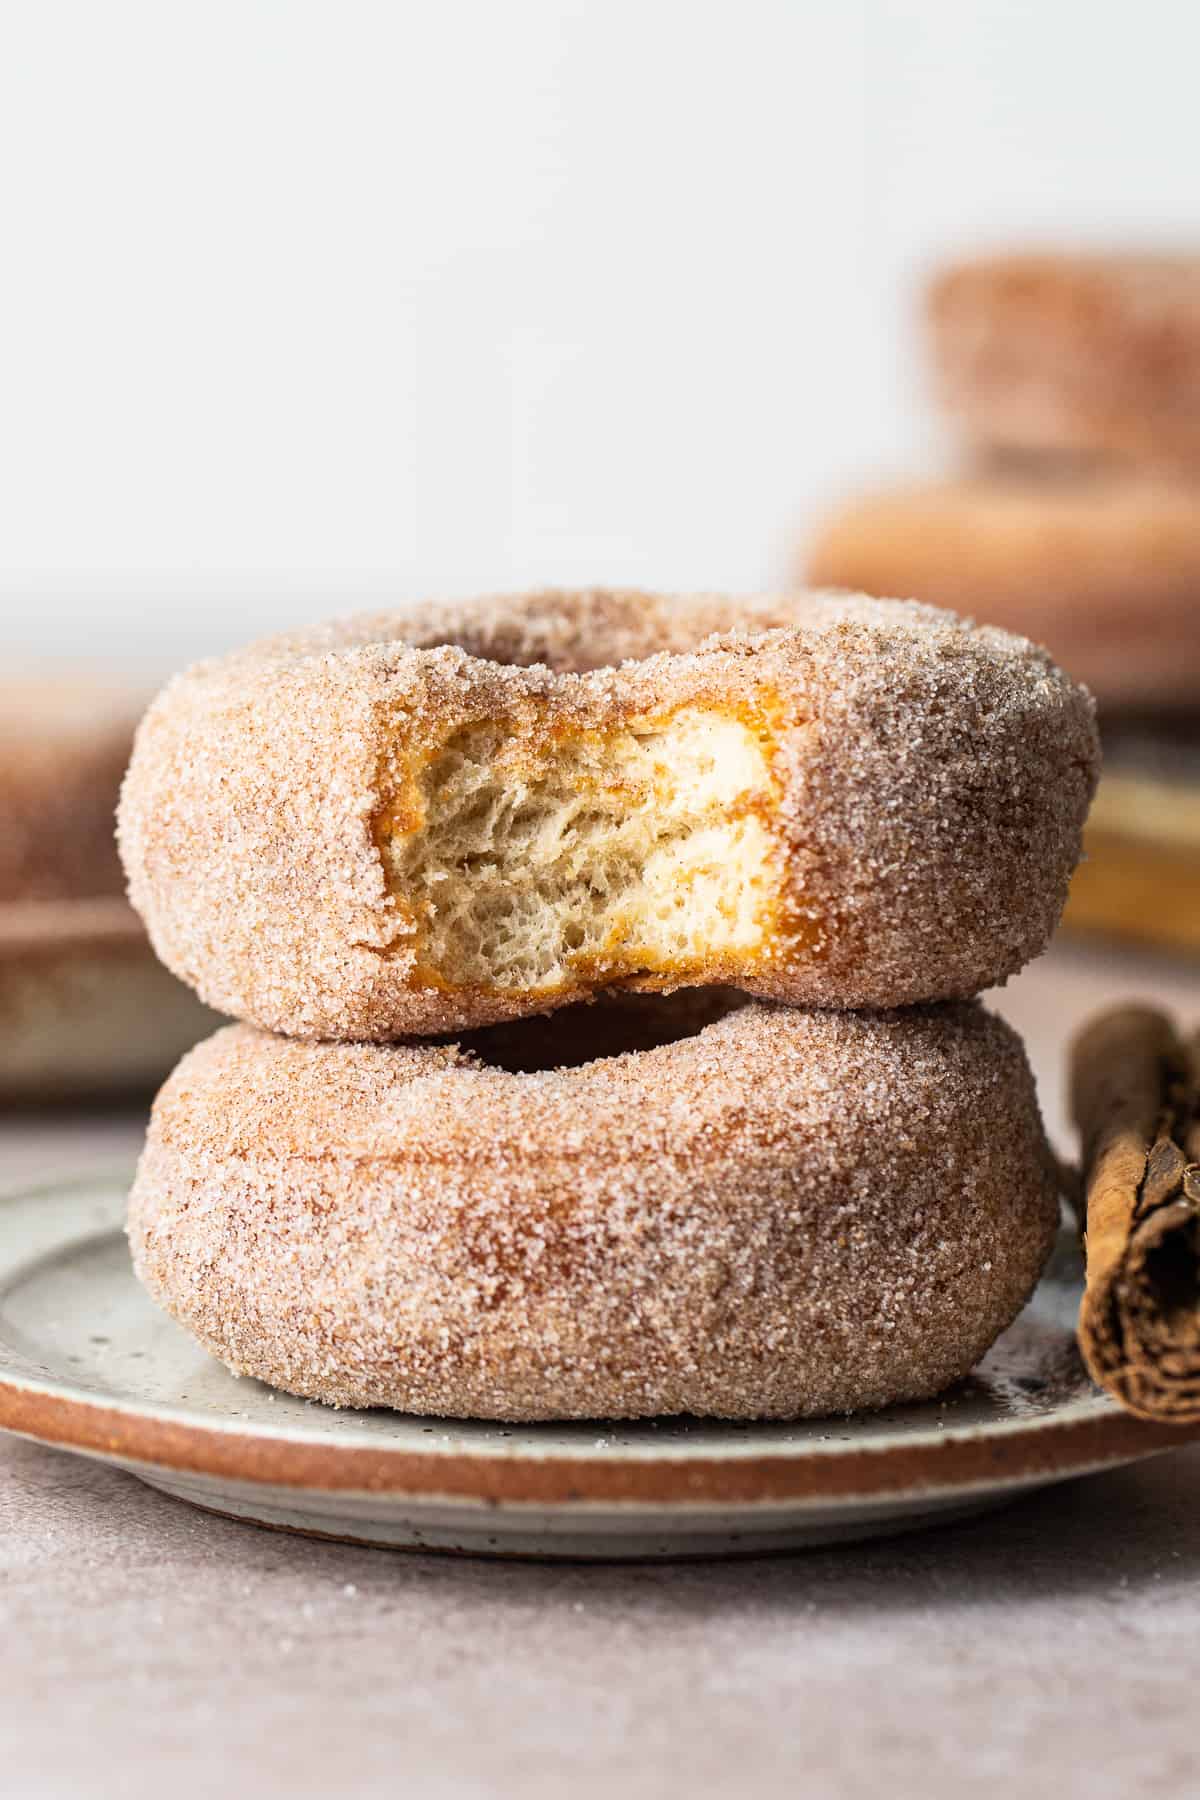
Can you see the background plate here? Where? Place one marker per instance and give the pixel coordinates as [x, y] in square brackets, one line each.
[87, 1362]
[86, 1008]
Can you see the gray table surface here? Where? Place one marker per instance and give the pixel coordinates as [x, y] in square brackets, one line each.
[1054, 1648]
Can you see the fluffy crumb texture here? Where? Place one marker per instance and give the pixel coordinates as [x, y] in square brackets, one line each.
[1102, 568]
[772, 1213]
[64, 742]
[627, 852]
[436, 819]
[1092, 355]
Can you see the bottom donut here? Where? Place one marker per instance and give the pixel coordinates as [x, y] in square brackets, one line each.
[734, 1210]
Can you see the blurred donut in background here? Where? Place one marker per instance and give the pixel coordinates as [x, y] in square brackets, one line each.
[64, 744]
[1072, 385]
[1085, 354]
[86, 1009]
[1103, 570]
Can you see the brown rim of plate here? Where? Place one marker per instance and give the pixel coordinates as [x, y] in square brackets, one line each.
[950, 1459]
[1013, 1454]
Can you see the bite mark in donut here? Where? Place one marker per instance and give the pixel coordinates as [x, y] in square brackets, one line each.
[538, 861]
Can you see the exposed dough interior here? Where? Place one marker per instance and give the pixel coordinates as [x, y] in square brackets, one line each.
[640, 850]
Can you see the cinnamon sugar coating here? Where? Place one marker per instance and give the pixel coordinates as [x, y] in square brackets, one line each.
[921, 790]
[787, 1213]
[64, 743]
[1077, 354]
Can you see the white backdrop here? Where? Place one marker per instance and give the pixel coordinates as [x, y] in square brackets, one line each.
[307, 302]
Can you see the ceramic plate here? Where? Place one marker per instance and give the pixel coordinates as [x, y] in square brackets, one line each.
[86, 1362]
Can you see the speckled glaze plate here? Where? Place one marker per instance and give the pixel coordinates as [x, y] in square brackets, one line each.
[89, 1364]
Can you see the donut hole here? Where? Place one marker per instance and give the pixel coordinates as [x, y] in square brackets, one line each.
[637, 852]
[617, 1025]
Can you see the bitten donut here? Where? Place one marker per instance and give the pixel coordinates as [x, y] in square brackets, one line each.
[1103, 570]
[786, 1213]
[435, 819]
[1075, 354]
[64, 744]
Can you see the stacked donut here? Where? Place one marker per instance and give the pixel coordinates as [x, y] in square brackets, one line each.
[1074, 382]
[605, 967]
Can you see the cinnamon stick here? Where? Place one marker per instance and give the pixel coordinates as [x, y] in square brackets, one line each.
[1135, 1097]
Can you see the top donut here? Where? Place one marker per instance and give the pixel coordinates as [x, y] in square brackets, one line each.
[1090, 355]
[443, 816]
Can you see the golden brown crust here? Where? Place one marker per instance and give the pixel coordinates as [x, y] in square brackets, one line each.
[788, 1213]
[934, 782]
[64, 744]
[1104, 570]
[1082, 354]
